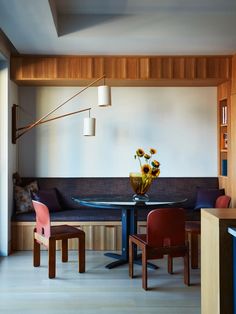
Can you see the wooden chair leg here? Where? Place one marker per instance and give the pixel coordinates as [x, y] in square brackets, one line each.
[194, 250]
[131, 258]
[81, 253]
[170, 265]
[36, 254]
[186, 269]
[64, 250]
[144, 267]
[52, 258]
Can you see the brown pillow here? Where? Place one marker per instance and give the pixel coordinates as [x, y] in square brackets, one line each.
[22, 195]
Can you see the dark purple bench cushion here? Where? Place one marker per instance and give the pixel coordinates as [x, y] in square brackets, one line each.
[162, 189]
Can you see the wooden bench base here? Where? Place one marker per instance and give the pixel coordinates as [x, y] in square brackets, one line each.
[99, 236]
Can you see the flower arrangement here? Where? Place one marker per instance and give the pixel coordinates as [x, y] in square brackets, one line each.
[149, 170]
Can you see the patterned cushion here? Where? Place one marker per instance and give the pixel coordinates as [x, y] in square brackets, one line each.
[22, 197]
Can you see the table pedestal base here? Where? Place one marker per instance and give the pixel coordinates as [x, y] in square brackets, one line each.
[122, 260]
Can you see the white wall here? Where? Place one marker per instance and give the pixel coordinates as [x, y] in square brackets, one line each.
[8, 95]
[179, 122]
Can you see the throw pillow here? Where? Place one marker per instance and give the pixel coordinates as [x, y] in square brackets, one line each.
[207, 198]
[49, 198]
[22, 196]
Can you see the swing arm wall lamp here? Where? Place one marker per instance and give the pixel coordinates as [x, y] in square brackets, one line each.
[104, 99]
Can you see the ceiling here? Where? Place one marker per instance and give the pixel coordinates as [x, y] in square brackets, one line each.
[116, 27]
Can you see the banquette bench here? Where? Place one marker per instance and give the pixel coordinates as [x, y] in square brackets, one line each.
[103, 227]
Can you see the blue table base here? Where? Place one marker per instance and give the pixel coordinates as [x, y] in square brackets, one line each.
[121, 261]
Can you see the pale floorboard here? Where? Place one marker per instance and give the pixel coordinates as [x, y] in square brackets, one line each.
[25, 289]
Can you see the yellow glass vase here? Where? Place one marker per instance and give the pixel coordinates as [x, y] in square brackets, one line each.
[140, 184]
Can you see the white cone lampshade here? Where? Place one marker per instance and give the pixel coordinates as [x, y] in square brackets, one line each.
[89, 126]
[104, 96]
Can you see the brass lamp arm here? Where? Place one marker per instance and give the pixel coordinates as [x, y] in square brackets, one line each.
[42, 120]
[55, 118]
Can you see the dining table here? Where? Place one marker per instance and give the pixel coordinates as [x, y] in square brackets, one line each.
[129, 217]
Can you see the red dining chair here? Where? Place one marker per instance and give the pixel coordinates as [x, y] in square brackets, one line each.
[47, 235]
[165, 236]
[193, 229]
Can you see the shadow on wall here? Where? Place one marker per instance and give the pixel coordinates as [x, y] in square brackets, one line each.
[27, 115]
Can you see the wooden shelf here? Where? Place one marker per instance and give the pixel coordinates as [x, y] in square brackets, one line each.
[223, 127]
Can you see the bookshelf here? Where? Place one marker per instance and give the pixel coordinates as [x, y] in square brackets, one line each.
[223, 127]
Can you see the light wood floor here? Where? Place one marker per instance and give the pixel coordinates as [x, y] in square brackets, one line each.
[25, 289]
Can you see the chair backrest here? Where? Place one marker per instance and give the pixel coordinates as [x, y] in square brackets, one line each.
[222, 201]
[166, 226]
[43, 224]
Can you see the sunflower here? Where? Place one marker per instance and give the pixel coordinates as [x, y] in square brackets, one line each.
[146, 156]
[152, 151]
[146, 169]
[155, 172]
[155, 163]
[140, 152]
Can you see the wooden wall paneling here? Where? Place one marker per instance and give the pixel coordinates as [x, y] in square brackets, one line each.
[45, 68]
[87, 68]
[155, 68]
[115, 67]
[110, 67]
[225, 67]
[190, 68]
[28, 67]
[212, 67]
[223, 91]
[234, 74]
[73, 68]
[179, 68]
[201, 72]
[144, 68]
[132, 68]
[98, 66]
[122, 70]
[16, 68]
[167, 68]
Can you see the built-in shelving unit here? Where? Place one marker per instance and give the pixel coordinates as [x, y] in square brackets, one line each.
[223, 127]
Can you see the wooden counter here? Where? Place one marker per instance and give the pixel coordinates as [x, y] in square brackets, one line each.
[217, 260]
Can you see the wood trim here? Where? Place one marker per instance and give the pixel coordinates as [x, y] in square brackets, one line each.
[121, 70]
[99, 235]
[233, 90]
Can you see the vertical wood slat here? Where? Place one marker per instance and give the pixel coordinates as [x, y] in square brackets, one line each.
[167, 68]
[179, 68]
[45, 68]
[201, 72]
[98, 66]
[132, 68]
[144, 68]
[190, 68]
[16, 68]
[155, 68]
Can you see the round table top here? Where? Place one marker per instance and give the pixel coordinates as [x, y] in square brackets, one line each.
[123, 202]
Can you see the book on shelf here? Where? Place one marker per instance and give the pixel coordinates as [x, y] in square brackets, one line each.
[225, 140]
[224, 115]
[224, 167]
